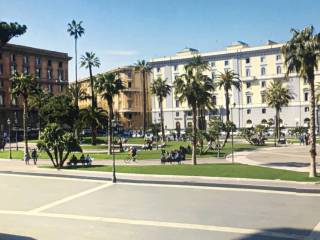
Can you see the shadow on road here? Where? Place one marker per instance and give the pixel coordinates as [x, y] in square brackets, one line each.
[287, 164]
[4, 236]
[271, 234]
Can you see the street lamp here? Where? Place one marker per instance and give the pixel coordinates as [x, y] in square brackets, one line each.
[114, 178]
[232, 152]
[9, 125]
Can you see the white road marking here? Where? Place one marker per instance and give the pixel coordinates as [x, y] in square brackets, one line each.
[234, 189]
[69, 198]
[189, 226]
[315, 234]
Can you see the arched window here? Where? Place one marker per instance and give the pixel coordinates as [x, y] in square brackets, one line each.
[178, 126]
[263, 71]
[249, 121]
[264, 121]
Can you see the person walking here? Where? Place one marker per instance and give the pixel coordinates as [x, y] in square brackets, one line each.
[34, 156]
[26, 158]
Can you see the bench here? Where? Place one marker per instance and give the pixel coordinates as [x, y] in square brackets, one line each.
[84, 162]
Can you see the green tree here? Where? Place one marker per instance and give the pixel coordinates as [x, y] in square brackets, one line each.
[60, 109]
[76, 30]
[36, 102]
[302, 53]
[192, 86]
[24, 86]
[76, 92]
[108, 85]
[277, 96]
[58, 143]
[161, 89]
[89, 60]
[97, 116]
[9, 31]
[144, 68]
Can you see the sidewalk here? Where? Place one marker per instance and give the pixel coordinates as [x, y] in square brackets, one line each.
[12, 167]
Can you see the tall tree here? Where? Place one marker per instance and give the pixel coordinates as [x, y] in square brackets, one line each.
[24, 86]
[108, 85]
[76, 92]
[89, 60]
[302, 53]
[161, 89]
[76, 30]
[144, 68]
[97, 116]
[9, 31]
[193, 86]
[278, 96]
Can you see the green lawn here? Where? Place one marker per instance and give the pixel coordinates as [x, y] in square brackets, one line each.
[154, 154]
[209, 170]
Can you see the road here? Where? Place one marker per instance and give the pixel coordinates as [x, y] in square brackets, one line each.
[41, 207]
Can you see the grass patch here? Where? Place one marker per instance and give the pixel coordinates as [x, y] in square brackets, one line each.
[209, 170]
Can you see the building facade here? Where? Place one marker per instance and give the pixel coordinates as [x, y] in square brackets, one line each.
[48, 67]
[257, 68]
[128, 105]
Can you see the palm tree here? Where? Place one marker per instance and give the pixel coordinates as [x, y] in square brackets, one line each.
[226, 80]
[277, 97]
[108, 85]
[97, 115]
[36, 103]
[89, 60]
[302, 53]
[24, 86]
[76, 30]
[75, 92]
[9, 31]
[161, 89]
[193, 86]
[144, 68]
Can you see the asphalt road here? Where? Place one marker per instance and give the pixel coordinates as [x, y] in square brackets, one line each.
[35, 207]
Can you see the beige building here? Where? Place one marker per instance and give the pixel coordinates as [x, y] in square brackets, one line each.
[128, 105]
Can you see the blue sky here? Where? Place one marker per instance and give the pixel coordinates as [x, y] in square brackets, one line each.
[122, 31]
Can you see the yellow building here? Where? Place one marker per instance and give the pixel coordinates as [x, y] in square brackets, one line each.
[257, 67]
[128, 105]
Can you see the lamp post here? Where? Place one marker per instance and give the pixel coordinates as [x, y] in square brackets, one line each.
[16, 124]
[9, 125]
[232, 152]
[275, 130]
[114, 178]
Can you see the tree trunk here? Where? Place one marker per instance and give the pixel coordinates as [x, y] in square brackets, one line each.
[313, 153]
[110, 127]
[277, 130]
[161, 119]
[76, 71]
[227, 105]
[194, 134]
[144, 102]
[93, 106]
[25, 126]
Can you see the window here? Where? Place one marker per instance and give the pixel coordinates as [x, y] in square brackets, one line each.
[176, 77]
[38, 73]
[0, 55]
[60, 64]
[25, 59]
[306, 109]
[49, 63]
[248, 72]
[278, 69]
[60, 75]
[26, 70]
[263, 110]
[130, 115]
[247, 60]
[263, 84]
[1, 99]
[213, 75]
[129, 84]
[214, 100]
[38, 60]
[248, 99]
[262, 59]
[1, 69]
[158, 69]
[130, 104]
[177, 114]
[306, 96]
[248, 111]
[49, 75]
[129, 74]
[12, 57]
[226, 63]
[177, 103]
[263, 98]
[50, 88]
[61, 88]
[13, 101]
[263, 71]
[189, 113]
[278, 57]
[175, 67]
[1, 84]
[13, 69]
[248, 84]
